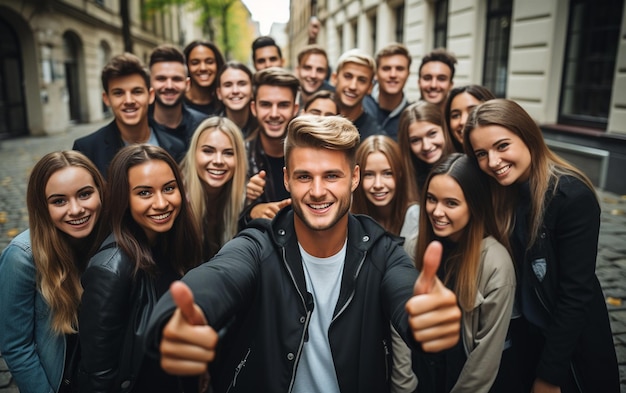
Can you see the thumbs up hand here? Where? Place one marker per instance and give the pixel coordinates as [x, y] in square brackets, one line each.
[188, 342]
[434, 316]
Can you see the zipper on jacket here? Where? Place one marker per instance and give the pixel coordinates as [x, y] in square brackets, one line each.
[543, 303]
[347, 303]
[241, 365]
[386, 348]
[306, 322]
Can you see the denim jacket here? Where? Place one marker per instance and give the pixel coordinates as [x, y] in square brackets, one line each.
[34, 353]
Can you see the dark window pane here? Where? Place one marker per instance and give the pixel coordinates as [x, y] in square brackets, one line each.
[589, 66]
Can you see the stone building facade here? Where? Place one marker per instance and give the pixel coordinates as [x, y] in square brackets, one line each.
[564, 61]
[52, 52]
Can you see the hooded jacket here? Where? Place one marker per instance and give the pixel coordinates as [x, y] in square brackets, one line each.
[256, 287]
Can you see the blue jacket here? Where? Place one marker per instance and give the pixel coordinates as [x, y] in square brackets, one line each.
[34, 353]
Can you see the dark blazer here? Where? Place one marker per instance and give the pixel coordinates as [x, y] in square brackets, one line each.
[102, 145]
[570, 343]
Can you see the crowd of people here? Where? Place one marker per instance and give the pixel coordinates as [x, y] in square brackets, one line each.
[237, 230]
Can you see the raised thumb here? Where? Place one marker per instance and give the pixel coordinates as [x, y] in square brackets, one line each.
[432, 258]
[183, 298]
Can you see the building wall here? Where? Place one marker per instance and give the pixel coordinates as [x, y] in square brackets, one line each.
[41, 30]
[535, 66]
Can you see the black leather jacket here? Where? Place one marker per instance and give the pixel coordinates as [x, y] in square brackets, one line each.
[256, 284]
[110, 326]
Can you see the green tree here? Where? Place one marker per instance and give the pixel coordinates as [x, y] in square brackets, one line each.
[212, 12]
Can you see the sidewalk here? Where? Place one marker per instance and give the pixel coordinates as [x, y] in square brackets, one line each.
[17, 157]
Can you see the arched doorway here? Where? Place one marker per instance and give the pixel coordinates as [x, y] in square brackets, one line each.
[12, 102]
[72, 50]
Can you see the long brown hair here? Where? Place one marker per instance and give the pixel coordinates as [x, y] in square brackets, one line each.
[181, 245]
[58, 262]
[420, 111]
[546, 167]
[403, 176]
[465, 257]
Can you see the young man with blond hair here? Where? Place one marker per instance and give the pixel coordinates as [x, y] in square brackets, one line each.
[308, 299]
[354, 80]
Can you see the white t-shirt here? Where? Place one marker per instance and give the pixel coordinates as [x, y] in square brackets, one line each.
[316, 370]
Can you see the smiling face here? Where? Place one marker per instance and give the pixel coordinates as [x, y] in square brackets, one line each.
[74, 202]
[235, 90]
[202, 66]
[155, 199]
[352, 82]
[274, 107]
[435, 81]
[501, 154]
[312, 72]
[392, 74]
[170, 82]
[129, 99]
[446, 207]
[460, 107]
[215, 159]
[377, 180]
[427, 141]
[321, 183]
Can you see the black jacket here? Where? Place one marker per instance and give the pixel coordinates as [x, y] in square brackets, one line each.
[256, 285]
[101, 146]
[560, 294]
[184, 131]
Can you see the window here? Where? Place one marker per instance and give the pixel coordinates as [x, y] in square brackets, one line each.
[373, 29]
[400, 23]
[592, 40]
[497, 46]
[441, 24]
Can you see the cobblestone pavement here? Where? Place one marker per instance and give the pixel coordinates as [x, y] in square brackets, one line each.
[17, 157]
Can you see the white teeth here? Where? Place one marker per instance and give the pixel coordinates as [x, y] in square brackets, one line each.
[79, 221]
[502, 170]
[437, 222]
[379, 194]
[216, 172]
[319, 207]
[161, 216]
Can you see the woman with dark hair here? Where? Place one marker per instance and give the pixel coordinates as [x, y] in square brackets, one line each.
[422, 139]
[234, 90]
[461, 101]
[550, 212]
[478, 268]
[154, 241]
[40, 271]
[204, 60]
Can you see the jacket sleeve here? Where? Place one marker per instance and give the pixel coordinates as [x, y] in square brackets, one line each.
[574, 239]
[102, 319]
[397, 288]
[220, 286]
[492, 313]
[18, 290]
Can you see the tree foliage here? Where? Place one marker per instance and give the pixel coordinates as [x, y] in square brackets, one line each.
[214, 18]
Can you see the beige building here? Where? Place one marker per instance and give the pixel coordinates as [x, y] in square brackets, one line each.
[564, 61]
[52, 52]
